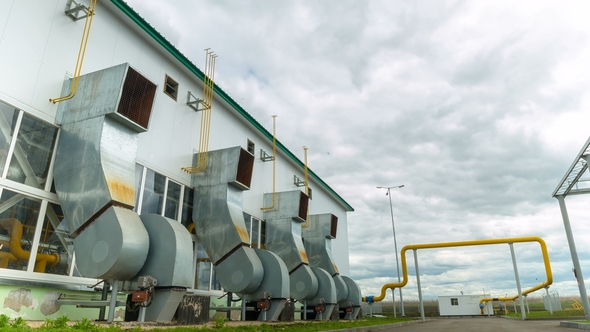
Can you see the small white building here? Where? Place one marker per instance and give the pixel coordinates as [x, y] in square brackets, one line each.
[463, 305]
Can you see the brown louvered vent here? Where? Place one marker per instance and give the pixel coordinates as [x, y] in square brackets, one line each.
[245, 167]
[303, 202]
[137, 98]
[333, 226]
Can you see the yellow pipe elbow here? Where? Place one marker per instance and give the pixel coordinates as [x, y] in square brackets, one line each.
[541, 242]
[16, 233]
[191, 228]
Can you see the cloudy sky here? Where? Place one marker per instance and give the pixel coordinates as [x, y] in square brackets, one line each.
[477, 107]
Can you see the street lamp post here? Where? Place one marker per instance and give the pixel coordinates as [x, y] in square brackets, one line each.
[401, 298]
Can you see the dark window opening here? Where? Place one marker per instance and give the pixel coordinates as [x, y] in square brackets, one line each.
[454, 301]
[251, 147]
[171, 87]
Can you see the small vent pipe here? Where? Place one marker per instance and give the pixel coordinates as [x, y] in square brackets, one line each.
[81, 53]
[274, 163]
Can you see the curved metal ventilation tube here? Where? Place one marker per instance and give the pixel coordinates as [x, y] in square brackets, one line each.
[283, 237]
[318, 237]
[95, 182]
[258, 274]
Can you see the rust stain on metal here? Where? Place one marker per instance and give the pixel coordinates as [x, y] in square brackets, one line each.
[18, 298]
[122, 192]
[243, 234]
[303, 255]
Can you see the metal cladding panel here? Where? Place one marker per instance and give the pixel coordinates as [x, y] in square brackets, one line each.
[241, 272]
[341, 288]
[219, 220]
[119, 92]
[115, 246]
[232, 165]
[354, 292]
[276, 277]
[98, 94]
[94, 166]
[326, 287]
[318, 242]
[275, 282]
[283, 237]
[288, 204]
[303, 283]
[170, 256]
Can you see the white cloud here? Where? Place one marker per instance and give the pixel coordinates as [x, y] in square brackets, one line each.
[477, 107]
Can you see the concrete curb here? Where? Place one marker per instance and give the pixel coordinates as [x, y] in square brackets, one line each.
[576, 325]
[379, 327]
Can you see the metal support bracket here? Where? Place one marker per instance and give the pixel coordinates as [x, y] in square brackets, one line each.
[73, 10]
[265, 156]
[298, 182]
[194, 102]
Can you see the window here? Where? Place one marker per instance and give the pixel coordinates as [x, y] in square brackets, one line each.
[454, 301]
[172, 200]
[32, 150]
[171, 87]
[187, 206]
[251, 147]
[153, 192]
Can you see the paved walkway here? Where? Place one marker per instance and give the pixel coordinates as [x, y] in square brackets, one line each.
[481, 324]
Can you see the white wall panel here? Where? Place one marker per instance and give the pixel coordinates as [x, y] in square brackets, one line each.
[29, 21]
[5, 8]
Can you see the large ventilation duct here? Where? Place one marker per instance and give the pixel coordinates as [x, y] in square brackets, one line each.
[219, 220]
[318, 245]
[95, 182]
[95, 170]
[283, 237]
[219, 223]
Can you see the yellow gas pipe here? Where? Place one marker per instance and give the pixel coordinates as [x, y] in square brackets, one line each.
[207, 102]
[16, 233]
[274, 163]
[81, 53]
[404, 281]
[306, 178]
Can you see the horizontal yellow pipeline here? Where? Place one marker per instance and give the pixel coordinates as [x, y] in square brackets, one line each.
[404, 281]
[16, 233]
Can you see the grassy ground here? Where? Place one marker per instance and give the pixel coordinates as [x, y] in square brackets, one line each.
[536, 307]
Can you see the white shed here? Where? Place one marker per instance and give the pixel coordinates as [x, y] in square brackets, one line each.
[463, 305]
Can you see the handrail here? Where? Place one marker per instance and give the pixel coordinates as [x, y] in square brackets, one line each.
[404, 281]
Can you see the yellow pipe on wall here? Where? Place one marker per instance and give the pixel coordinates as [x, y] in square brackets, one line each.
[81, 53]
[404, 281]
[274, 163]
[16, 233]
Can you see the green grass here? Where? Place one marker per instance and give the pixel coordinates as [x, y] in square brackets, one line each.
[60, 324]
[547, 314]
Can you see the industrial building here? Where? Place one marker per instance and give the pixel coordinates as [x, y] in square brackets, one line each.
[124, 167]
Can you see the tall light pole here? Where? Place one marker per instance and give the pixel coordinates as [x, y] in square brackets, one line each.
[401, 298]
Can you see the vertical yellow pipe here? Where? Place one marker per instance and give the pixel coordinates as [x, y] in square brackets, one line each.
[274, 162]
[81, 53]
[306, 178]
